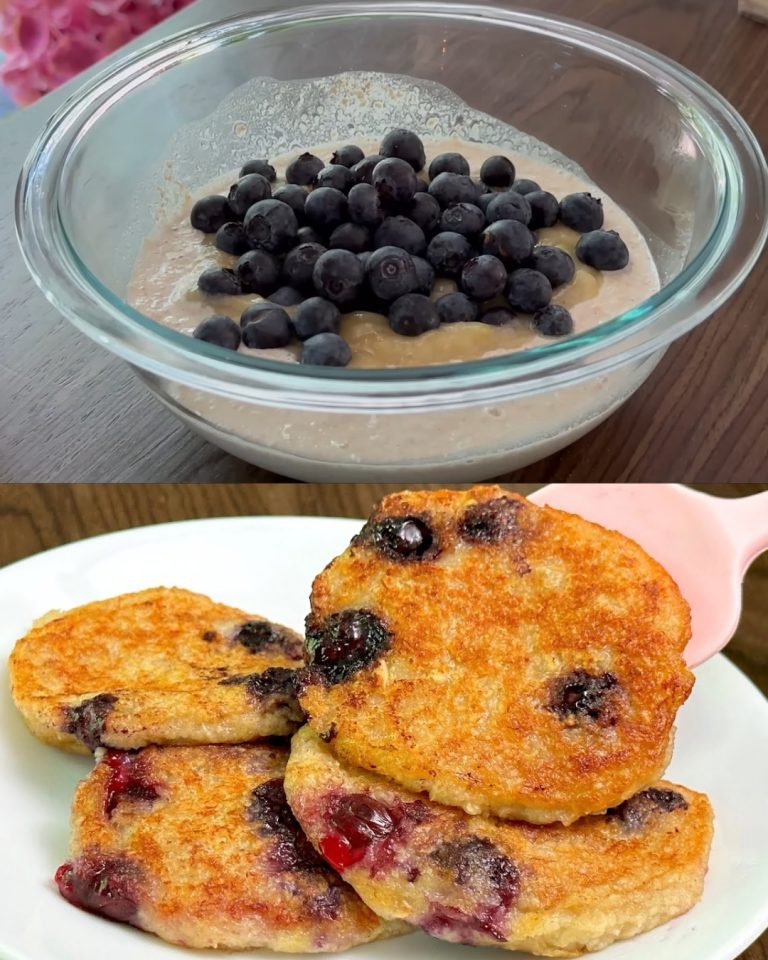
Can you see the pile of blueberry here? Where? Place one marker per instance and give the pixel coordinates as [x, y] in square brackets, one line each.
[367, 233]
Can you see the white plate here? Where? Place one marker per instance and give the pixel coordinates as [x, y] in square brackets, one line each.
[266, 564]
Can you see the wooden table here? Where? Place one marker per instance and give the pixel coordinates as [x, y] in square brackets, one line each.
[69, 411]
[37, 517]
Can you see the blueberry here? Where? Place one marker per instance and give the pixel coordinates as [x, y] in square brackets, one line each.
[110, 886]
[260, 635]
[477, 862]
[338, 276]
[364, 257]
[448, 252]
[303, 169]
[421, 185]
[509, 240]
[335, 175]
[254, 310]
[365, 207]
[448, 163]
[450, 188]
[509, 206]
[463, 218]
[271, 328]
[309, 235]
[391, 272]
[497, 171]
[316, 316]
[247, 191]
[263, 167]
[219, 280]
[325, 209]
[544, 209]
[412, 315]
[299, 264]
[294, 195]
[556, 265]
[405, 145]
[582, 212]
[525, 187]
[635, 812]
[584, 694]
[286, 296]
[350, 236]
[603, 249]
[528, 290]
[210, 213]
[362, 171]
[271, 225]
[344, 642]
[483, 277]
[88, 718]
[484, 199]
[456, 308]
[223, 331]
[402, 538]
[497, 316]
[424, 210]
[491, 521]
[326, 350]
[231, 238]
[425, 275]
[348, 155]
[400, 232]
[258, 272]
[553, 321]
[394, 181]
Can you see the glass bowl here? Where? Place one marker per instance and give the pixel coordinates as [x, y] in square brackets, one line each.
[668, 148]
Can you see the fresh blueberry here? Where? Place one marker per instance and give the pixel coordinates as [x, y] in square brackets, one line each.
[400, 232]
[497, 316]
[394, 181]
[271, 328]
[294, 195]
[223, 331]
[247, 191]
[425, 274]
[497, 171]
[348, 155]
[271, 225]
[448, 252]
[391, 272]
[448, 163]
[483, 277]
[299, 264]
[463, 218]
[456, 308]
[231, 238]
[209, 213]
[509, 240]
[424, 210]
[263, 167]
[303, 169]
[219, 280]
[484, 199]
[603, 250]
[509, 205]
[364, 257]
[326, 350]
[258, 272]
[528, 290]
[544, 209]
[525, 187]
[350, 236]
[450, 188]
[325, 209]
[362, 171]
[405, 145]
[287, 296]
[556, 265]
[412, 315]
[338, 276]
[421, 185]
[309, 235]
[314, 316]
[553, 321]
[335, 175]
[253, 311]
[364, 205]
[582, 212]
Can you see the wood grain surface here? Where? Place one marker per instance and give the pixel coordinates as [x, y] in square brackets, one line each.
[69, 411]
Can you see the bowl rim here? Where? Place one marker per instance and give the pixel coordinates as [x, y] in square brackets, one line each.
[70, 286]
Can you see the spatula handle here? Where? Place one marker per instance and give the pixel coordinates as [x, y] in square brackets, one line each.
[746, 520]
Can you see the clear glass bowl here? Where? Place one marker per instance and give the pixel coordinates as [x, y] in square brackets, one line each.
[658, 140]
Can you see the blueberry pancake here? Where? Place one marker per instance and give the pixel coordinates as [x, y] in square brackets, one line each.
[502, 657]
[159, 666]
[547, 889]
[198, 845]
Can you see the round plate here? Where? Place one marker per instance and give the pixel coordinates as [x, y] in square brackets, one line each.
[266, 565]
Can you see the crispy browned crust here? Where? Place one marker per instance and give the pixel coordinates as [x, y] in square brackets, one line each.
[162, 654]
[568, 889]
[202, 870]
[459, 705]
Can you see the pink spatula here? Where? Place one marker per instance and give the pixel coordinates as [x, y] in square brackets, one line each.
[706, 543]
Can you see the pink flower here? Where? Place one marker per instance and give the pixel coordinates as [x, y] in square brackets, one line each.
[49, 41]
